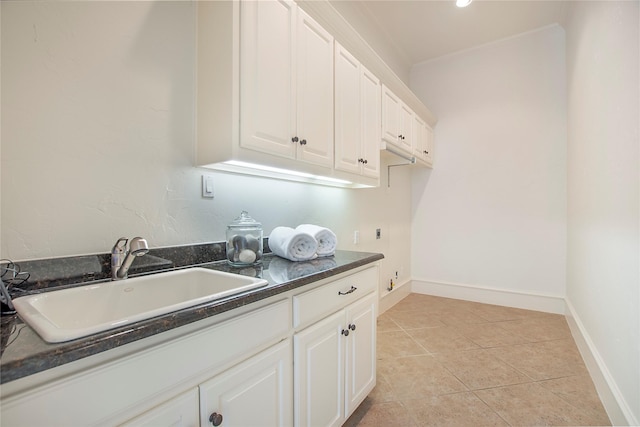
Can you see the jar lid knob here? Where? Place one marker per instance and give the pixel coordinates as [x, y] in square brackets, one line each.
[245, 219]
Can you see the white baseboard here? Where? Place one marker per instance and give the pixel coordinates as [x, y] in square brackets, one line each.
[487, 295]
[390, 298]
[610, 396]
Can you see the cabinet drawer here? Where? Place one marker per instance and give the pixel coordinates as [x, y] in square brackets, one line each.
[319, 302]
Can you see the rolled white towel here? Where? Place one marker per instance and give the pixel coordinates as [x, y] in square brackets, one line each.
[327, 240]
[292, 245]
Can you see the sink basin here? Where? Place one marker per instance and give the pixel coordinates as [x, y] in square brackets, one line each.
[73, 313]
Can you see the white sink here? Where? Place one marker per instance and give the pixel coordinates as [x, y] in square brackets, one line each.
[73, 313]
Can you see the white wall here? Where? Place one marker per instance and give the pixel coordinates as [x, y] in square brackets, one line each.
[603, 273]
[492, 213]
[98, 140]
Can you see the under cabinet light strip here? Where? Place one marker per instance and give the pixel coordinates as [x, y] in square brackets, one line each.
[410, 159]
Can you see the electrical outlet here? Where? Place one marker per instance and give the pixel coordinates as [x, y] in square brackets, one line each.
[356, 237]
[378, 233]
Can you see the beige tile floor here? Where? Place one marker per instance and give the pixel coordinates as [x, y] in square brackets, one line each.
[446, 362]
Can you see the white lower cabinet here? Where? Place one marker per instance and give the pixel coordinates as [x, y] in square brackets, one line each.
[319, 373]
[334, 364]
[181, 411]
[256, 392]
[360, 363]
[240, 371]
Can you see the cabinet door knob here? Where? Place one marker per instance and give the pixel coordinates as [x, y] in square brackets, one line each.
[294, 139]
[426, 152]
[353, 288]
[352, 327]
[365, 161]
[360, 160]
[303, 142]
[215, 419]
[345, 332]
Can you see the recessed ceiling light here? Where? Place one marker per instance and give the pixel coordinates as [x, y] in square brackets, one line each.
[463, 3]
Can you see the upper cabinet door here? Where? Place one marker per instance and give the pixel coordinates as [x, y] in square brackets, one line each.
[314, 92]
[423, 142]
[357, 116]
[348, 127]
[286, 82]
[429, 136]
[406, 128]
[390, 116]
[370, 97]
[267, 76]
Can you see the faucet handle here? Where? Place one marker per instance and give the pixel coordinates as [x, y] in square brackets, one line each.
[119, 249]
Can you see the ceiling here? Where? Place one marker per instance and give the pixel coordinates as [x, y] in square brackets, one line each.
[420, 30]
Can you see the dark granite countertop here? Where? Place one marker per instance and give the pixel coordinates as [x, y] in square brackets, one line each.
[24, 353]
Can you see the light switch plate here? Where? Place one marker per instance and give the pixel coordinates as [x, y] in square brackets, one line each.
[207, 186]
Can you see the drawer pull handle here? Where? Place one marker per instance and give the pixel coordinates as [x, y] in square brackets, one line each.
[215, 419]
[353, 289]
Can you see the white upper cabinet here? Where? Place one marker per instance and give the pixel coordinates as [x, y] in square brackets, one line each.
[267, 79]
[390, 116]
[348, 132]
[397, 122]
[371, 99]
[315, 92]
[429, 144]
[357, 116]
[286, 83]
[274, 91]
[406, 140]
[423, 138]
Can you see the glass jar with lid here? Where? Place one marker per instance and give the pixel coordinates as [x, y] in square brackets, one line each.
[244, 241]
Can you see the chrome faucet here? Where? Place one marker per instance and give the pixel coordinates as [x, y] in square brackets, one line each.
[122, 258]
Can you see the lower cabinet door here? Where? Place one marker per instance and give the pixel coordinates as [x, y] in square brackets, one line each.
[181, 411]
[360, 363]
[319, 373]
[256, 392]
